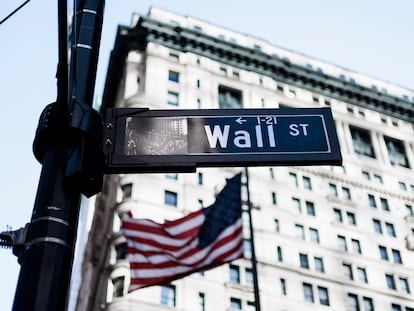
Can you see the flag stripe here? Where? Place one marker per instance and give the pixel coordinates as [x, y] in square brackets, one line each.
[188, 250]
[180, 228]
[193, 257]
[143, 280]
[217, 255]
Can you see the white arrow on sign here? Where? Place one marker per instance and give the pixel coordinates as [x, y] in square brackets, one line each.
[240, 120]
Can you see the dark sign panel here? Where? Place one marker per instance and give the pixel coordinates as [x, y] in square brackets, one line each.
[141, 140]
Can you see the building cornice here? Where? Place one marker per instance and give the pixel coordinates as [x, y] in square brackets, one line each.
[279, 69]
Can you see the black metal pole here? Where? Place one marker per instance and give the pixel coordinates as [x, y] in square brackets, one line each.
[253, 259]
[47, 258]
[47, 255]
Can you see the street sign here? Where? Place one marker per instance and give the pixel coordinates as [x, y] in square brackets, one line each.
[142, 140]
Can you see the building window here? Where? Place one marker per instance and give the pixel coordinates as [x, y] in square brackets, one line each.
[173, 176]
[229, 98]
[283, 290]
[352, 301]
[319, 267]
[168, 295]
[173, 57]
[170, 198]
[201, 302]
[236, 75]
[361, 140]
[383, 252]
[121, 251]
[223, 71]
[198, 103]
[280, 88]
[308, 292]
[293, 180]
[389, 278]
[250, 306]
[362, 275]
[118, 284]
[377, 226]
[200, 178]
[323, 296]
[249, 277]
[197, 28]
[351, 218]
[198, 83]
[371, 201]
[390, 229]
[304, 261]
[368, 304]
[172, 98]
[365, 175]
[409, 210]
[257, 47]
[126, 191]
[346, 193]
[404, 287]
[279, 254]
[296, 205]
[234, 274]
[348, 271]
[310, 208]
[291, 93]
[384, 204]
[378, 179]
[307, 184]
[272, 173]
[274, 198]
[235, 304]
[173, 76]
[314, 235]
[174, 23]
[333, 190]
[396, 255]
[395, 307]
[277, 225]
[396, 152]
[342, 243]
[300, 232]
[402, 186]
[356, 246]
[337, 215]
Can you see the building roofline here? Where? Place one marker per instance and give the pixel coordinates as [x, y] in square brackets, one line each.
[280, 69]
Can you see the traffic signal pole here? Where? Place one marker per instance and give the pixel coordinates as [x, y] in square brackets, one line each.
[67, 143]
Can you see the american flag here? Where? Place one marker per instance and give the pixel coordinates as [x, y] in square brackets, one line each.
[161, 253]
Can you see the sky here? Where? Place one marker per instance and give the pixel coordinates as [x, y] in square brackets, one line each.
[373, 37]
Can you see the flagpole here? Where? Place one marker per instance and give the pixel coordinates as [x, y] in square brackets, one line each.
[253, 257]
